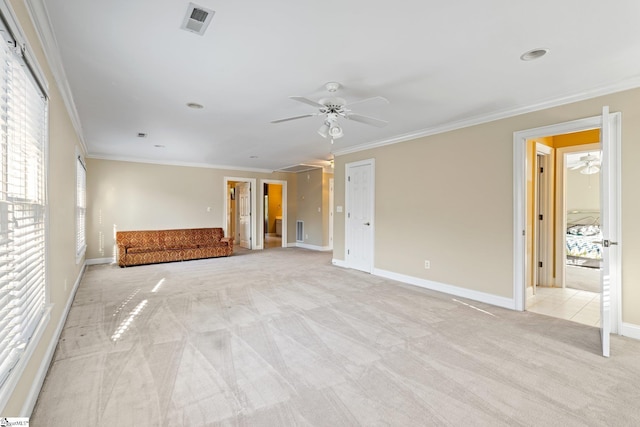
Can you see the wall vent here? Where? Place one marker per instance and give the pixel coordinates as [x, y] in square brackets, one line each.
[197, 19]
[299, 231]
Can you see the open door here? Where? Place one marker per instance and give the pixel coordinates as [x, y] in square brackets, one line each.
[243, 190]
[609, 224]
[609, 125]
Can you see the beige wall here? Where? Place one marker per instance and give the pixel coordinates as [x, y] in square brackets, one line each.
[313, 205]
[141, 196]
[63, 271]
[583, 191]
[449, 198]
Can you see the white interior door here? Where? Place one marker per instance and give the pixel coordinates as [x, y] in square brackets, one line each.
[359, 226]
[243, 190]
[609, 212]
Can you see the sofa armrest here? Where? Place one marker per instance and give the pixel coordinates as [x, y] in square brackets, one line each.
[122, 251]
[227, 240]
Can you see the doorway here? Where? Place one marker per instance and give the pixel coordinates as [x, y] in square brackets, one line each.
[239, 206]
[566, 285]
[359, 203]
[609, 127]
[274, 213]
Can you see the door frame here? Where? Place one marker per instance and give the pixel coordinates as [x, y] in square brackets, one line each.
[520, 204]
[331, 208]
[543, 232]
[348, 205]
[561, 203]
[256, 242]
[284, 208]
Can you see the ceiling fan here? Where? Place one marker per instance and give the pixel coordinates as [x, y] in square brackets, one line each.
[332, 108]
[588, 164]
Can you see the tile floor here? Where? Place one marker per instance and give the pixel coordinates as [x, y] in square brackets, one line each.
[566, 303]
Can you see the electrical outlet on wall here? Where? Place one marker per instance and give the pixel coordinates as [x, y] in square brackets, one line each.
[427, 264]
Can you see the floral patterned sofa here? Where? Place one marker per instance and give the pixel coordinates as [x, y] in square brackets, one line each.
[154, 246]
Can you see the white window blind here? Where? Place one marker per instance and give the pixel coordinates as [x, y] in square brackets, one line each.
[81, 206]
[23, 113]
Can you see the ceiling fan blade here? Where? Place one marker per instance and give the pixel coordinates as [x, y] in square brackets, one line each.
[375, 98]
[578, 166]
[366, 119]
[293, 118]
[307, 101]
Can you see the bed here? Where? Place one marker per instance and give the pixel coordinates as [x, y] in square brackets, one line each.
[584, 239]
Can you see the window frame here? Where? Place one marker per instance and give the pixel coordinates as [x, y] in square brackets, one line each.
[12, 34]
[81, 207]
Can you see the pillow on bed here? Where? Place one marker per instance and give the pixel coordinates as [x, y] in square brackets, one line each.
[584, 230]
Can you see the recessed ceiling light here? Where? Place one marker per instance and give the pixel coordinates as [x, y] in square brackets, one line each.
[142, 134]
[159, 146]
[534, 54]
[195, 105]
[253, 157]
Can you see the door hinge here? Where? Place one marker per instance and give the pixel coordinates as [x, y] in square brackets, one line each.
[349, 178]
[540, 217]
[540, 264]
[541, 169]
[348, 252]
[349, 215]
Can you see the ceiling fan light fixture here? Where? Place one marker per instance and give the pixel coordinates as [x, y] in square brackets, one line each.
[590, 170]
[335, 131]
[324, 130]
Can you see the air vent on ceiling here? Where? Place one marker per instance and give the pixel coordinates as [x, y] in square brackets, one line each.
[299, 168]
[197, 19]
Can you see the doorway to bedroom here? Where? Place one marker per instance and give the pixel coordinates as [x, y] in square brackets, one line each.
[608, 126]
[565, 243]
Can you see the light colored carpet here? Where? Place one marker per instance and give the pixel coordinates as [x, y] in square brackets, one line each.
[282, 337]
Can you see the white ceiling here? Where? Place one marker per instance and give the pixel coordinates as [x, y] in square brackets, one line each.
[132, 69]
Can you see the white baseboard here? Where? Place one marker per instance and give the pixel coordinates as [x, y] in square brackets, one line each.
[339, 263]
[34, 391]
[448, 289]
[630, 330]
[95, 261]
[312, 247]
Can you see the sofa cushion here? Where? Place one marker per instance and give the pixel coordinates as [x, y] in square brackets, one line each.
[177, 238]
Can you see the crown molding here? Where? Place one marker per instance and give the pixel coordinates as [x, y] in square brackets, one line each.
[631, 83]
[40, 19]
[185, 164]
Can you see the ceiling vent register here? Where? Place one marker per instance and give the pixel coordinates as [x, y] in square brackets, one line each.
[197, 19]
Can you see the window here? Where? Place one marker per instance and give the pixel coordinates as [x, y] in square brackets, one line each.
[23, 124]
[81, 207]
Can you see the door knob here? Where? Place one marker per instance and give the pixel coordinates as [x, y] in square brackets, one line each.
[367, 223]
